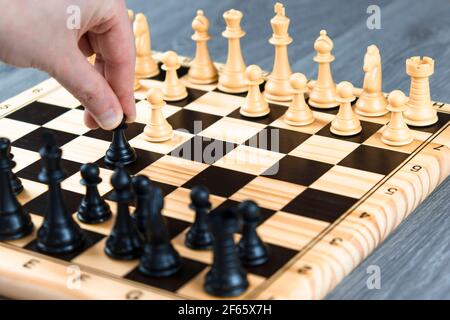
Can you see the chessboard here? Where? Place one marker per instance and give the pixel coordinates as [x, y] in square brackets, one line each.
[326, 201]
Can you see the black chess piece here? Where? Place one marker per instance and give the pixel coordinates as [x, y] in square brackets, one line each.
[252, 250]
[142, 188]
[160, 259]
[93, 209]
[15, 222]
[15, 181]
[120, 150]
[124, 242]
[59, 232]
[226, 278]
[199, 237]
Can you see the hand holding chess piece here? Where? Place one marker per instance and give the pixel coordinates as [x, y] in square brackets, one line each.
[299, 113]
[396, 132]
[346, 123]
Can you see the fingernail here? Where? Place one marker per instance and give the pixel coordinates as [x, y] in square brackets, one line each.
[110, 119]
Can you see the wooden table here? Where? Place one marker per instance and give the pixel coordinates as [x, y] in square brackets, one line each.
[414, 260]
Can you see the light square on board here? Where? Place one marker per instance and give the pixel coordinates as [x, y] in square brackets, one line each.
[143, 111]
[31, 190]
[96, 258]
[71, 121]
[418, 136]
[72, 183]
[268, 193]
[321, 119]
[249, 160]
[347, 181]
[85, 149]
[207, 87]
[232, 130]
[172, 170]
[216, 103]
[14, 129]
[61, 97]
[290, 230]
[23, 158]
[165, 147]
[324, 149]
[177, 204]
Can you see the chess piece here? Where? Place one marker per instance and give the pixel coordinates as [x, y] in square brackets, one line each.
[93, 209]
[142, 188]
[371, 102]
[157, 129]
[59, 232]
[160, 259]
[255, 104]
[145, 65]
[420, 112]
[299, 113]
[199, 237]
[173, 89]
[252, 251]
[226, 278]
[16, 183]
[232, 76]
[323, 94]
[346, 123]
[136, 84]
[124, 242]
[202, 69]
[396, 132]
[15, 222]
[277, 87]
[120, 151]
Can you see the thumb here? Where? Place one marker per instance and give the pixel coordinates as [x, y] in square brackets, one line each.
[81, 79]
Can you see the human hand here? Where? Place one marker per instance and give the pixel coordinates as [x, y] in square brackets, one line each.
[35, 33]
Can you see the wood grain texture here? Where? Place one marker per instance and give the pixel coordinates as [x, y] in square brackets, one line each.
[414, 259]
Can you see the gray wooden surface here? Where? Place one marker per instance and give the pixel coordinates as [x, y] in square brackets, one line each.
[415, 259]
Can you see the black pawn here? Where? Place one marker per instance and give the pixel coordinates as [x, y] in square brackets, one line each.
[160, 259]
[93, 209]
[124, 242]
[252, 251]
[14, 221]
[226, 278]
[120, 151]
[59, 232]
[15, 181]
[199, 237]
[142, 188]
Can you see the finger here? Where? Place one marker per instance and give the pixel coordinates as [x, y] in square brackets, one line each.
[116, 45]
[100, 64]
[89, 121]
[85, 46]
[79, 77]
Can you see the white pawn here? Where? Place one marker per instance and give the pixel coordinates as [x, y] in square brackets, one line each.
[173, 89]
[299, 113]
[255, 105]
[157, 129]
[346, 123]
[397, 132]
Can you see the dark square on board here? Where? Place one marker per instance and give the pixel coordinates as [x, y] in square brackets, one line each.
[443, 119]
[144, 159]
[193, 94]
[31, 171]
[368, 129]
[91, 239]
[38, 113]
[38, 205]
[189, 270]
[373, 159]
[265, 213]
[221, 182]
[319, 205]
[192, 121]
[278, 257]
[34, 141]
[276, 111]
[297, 170]
[276, 139]
[203, 149]
[133, 130]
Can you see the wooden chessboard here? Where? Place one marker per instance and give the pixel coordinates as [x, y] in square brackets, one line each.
[327, 202]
